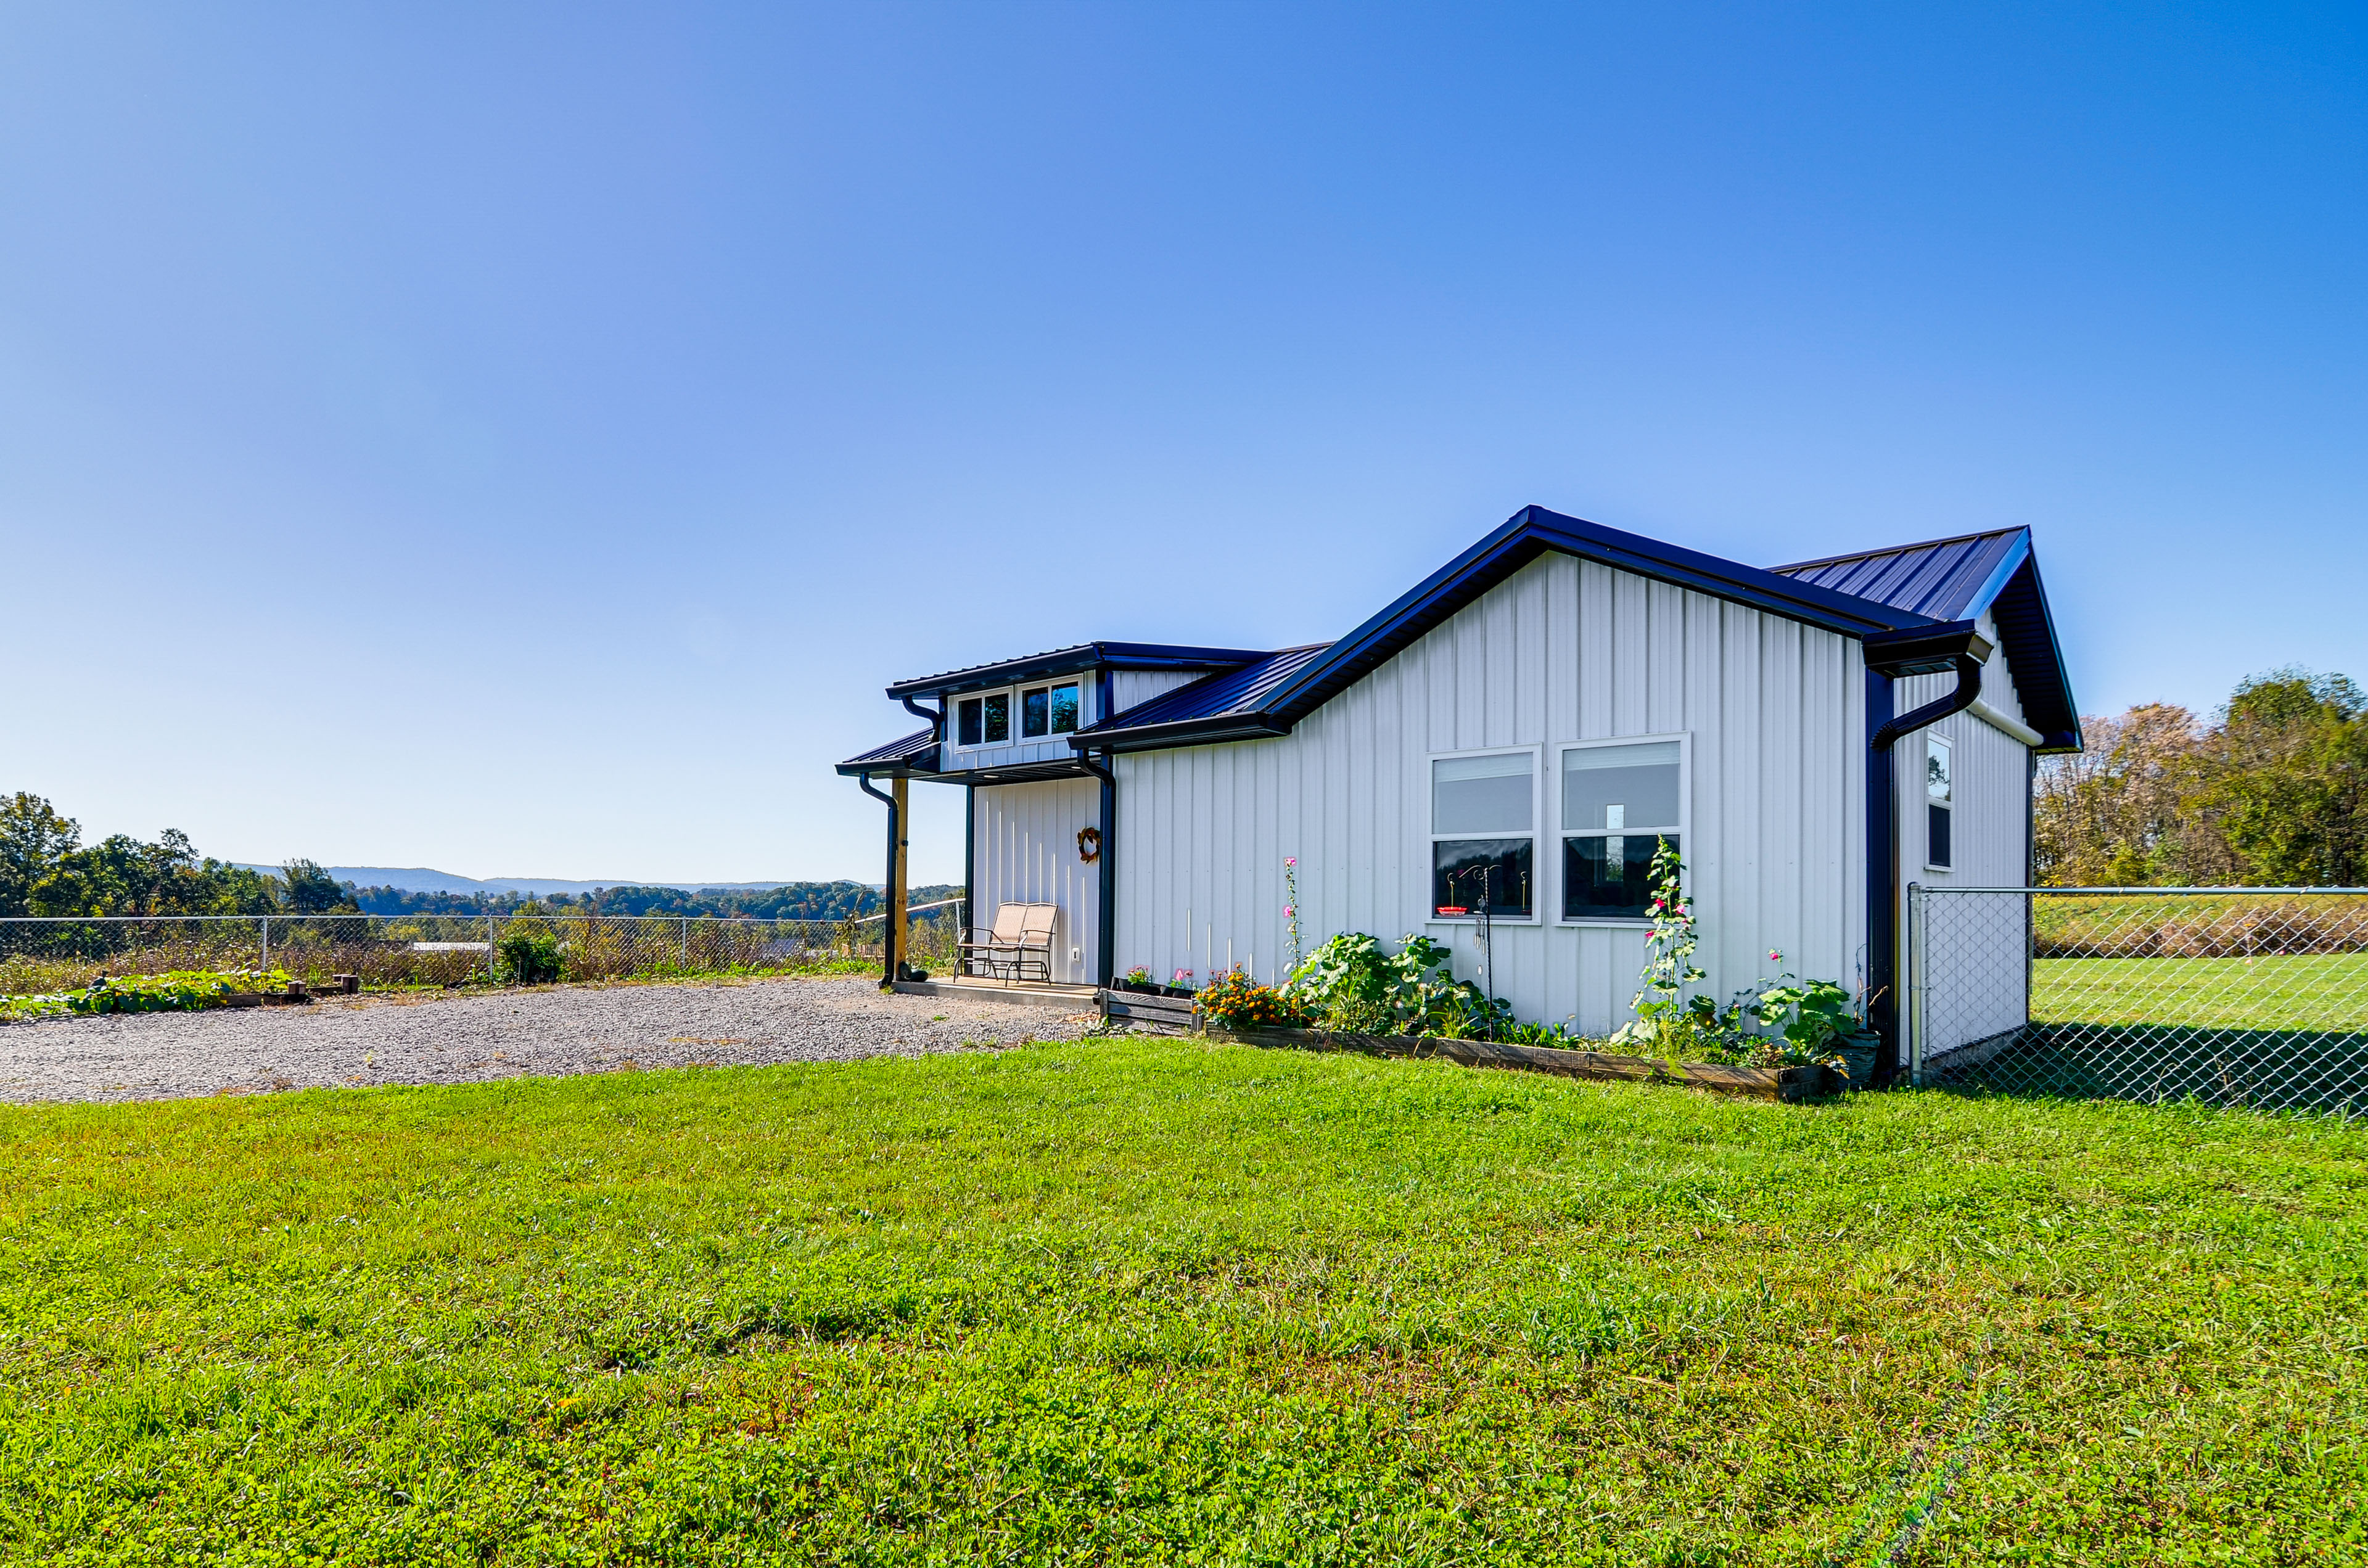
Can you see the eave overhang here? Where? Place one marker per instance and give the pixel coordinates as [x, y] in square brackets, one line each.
[1959, 579]
[914, 757]
[1074, 661]
[1528, 534]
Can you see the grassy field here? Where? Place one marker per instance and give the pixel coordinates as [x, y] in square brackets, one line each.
[2328, 993]
[1148, 1300]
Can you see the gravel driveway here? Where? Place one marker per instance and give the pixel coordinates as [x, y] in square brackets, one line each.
[449, 1037]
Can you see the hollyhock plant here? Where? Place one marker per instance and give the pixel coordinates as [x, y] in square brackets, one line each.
[1291, 907]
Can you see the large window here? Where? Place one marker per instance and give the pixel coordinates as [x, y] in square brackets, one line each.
[986, 720]
[1939, 803]
[1620, 799]
[1484, 819]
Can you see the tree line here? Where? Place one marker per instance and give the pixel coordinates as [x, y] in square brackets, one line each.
[790, 901]
[45, 869]
[2267, 794]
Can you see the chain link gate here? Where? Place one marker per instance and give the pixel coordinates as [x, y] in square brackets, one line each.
[2227, 997]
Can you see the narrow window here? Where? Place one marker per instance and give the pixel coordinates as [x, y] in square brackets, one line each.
[1618, 803]
[1939, 803]
[1035, 712]
[1482, 826]
[998, 719]
[969, 720]
[1064, 710]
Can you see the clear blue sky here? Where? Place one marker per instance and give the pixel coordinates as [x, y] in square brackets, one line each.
[524, 440]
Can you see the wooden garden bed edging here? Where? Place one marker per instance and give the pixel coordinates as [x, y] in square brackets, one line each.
[1176, 1015]
[1168, 1015]
[1749, 1083]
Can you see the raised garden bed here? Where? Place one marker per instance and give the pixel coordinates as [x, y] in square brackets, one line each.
[1748, 1083]
[1147, 1009]
[1177, 1016]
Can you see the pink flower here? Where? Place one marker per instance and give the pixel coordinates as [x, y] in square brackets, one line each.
[1775, 955]
[1289, 912]
[1291, 860]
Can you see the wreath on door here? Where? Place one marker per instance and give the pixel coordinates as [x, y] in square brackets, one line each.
[1089, 843]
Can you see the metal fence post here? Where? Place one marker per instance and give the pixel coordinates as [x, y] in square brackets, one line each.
[686, 945]
[266, 943]
[1918, 954]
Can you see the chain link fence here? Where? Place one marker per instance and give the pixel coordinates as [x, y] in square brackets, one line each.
[41, 956]
[2229, 996]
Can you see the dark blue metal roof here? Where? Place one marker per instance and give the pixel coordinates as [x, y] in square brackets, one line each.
[1528, 534]
[1084, 656]
[1212, 697]
[1957, 579]
[917, 753]
[1948, 579]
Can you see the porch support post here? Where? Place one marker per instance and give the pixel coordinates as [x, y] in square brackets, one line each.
[899, 901]
[1106, 901]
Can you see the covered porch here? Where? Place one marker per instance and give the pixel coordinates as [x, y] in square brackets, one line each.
[1036, 834]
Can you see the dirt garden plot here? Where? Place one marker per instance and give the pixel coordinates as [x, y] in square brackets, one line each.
[463, 1037]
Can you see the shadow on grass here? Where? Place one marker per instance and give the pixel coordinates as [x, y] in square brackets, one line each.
[2154, 1063]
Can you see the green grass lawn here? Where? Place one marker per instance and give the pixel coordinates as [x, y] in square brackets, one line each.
[2328, 993]
[1148, 1300]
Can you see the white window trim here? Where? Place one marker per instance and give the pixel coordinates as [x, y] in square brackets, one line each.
[1432, 839]
[1685, 821]
[954, 720]
[1924, 791]
[980, 697]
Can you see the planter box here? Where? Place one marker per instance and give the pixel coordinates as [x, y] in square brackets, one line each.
[1751, 1083]
[1167, 1015]
[241, 999]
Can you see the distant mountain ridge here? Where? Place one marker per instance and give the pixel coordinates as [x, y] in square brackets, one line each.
[425, 879]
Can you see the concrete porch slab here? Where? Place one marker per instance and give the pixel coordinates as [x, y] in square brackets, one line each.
[1026, 994]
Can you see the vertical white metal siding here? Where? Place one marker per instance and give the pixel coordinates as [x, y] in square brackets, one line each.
[1562, 650]
[1027, 848]
[1990, 840]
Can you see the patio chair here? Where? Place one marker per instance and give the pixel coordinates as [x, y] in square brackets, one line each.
[1019, 942]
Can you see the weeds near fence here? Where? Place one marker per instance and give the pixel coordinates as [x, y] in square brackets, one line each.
[428, 952]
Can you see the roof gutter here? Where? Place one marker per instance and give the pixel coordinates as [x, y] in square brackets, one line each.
[935, 716]
[1929, 649]
[1148, 737]
[888, 940]
[1925, 649]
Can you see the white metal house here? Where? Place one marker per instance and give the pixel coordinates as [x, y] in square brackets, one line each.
[1516, 733]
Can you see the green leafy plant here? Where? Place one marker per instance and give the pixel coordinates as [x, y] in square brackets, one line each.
[1666, 1022]
[1349, 968]
[175, 991]
[529, 957]
[1559, 1037]
[1356, 987]
[1138, 975]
